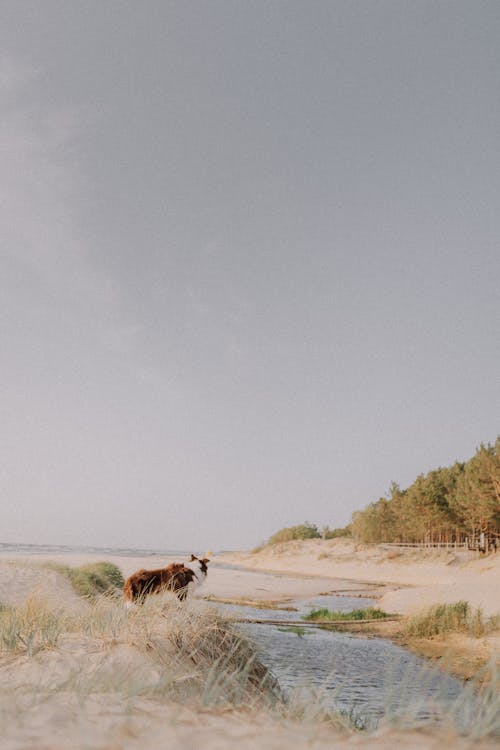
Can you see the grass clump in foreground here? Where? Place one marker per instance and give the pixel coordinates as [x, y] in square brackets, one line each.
[441, 619]
[181, 652]
[28, 629]
[94, 579]
[206, 659]
[370, 613]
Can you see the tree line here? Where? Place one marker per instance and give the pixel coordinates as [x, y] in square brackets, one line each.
[457, 503]
[449, 504]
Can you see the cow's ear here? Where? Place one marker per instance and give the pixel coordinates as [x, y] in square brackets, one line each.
[205, 560]
[193, 557]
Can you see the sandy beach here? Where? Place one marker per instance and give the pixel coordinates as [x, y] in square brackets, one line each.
[403, 580]
[46, 704]
[222, 582]
[411, 579]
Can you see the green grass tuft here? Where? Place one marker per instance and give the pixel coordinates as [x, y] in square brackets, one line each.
[370, 613]
[297, 629]
[94, 579]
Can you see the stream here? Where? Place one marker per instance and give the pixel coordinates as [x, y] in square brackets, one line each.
[364, 676]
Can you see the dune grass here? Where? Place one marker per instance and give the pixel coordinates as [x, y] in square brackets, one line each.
[204, 656]
[92, 580]
[30, 628]
[441, 619]
[193, 652]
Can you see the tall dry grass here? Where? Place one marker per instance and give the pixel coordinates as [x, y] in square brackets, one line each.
[441, 619]
[195, 653]
[29, 628]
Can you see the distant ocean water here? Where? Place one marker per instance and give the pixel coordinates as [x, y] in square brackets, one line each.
[9, 548]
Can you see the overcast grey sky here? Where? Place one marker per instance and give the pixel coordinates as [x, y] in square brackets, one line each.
[250, 261]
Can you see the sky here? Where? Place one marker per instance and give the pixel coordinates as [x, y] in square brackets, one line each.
[250, 262]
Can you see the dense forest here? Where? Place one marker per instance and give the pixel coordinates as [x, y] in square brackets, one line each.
[455, 504]
[451, 504]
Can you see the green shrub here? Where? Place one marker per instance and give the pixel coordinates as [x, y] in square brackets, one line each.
[302, 531]
[344, 532]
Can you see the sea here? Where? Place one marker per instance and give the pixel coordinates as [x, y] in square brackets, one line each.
[9, 548]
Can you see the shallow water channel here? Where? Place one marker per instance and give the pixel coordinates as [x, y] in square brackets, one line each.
[366, 677]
